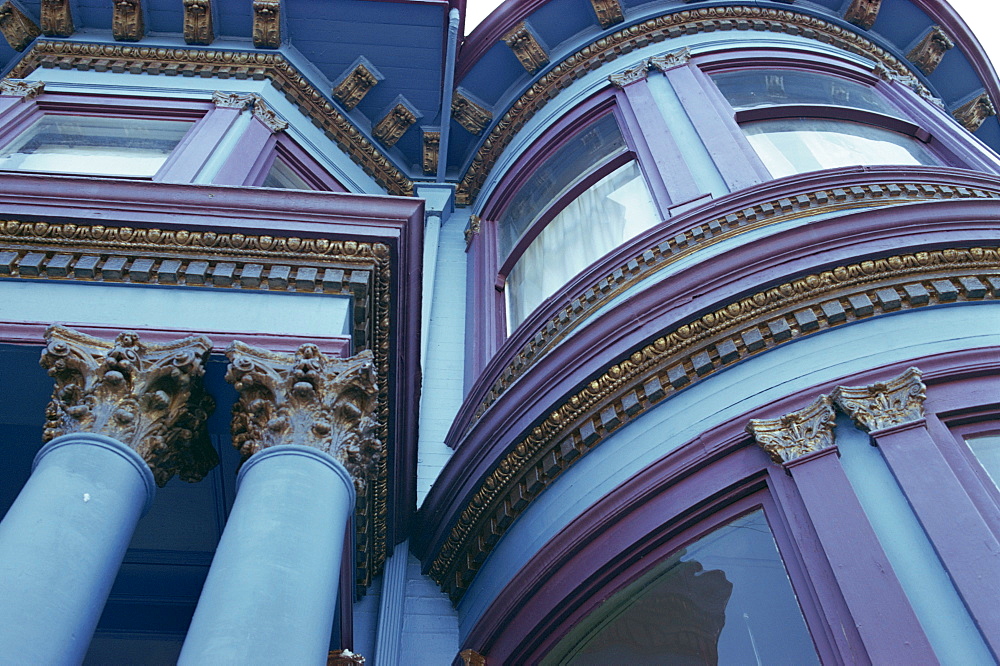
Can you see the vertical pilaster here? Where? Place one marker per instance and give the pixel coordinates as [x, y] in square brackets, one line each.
[892, 412]
[803, 443]
[252, 149]
[124, 416]
[305, 426]
[13, 95]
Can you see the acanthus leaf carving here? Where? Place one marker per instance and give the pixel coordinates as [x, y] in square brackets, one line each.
[267, 116]
[267, 24]
[17, 28]
[21, 88]
[797, 433]
[884, 404]
[56, 19]
[630, 75]
[863, 13]
[149, 397]
[127, 23]
[928, 53]
[307, 399]
[609, 12]
[669, 61]
[525, 46]
[974, 113]
[233, 100]
[198, 27]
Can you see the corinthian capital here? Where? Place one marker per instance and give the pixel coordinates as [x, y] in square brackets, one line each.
[308, 399]
[797, 433]
[149, 397]
[884, 404]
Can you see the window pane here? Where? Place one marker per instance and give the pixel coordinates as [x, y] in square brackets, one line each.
[283, 177]
[725, 599]
[613, 210]
[770, 87]
[797, 145]
[987, 451]
[94, 145]
[566, 167]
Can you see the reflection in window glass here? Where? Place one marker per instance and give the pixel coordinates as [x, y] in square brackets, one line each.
[135, 147]
[566, 167]
[613, 210]
[771, 87]
[798, 145]
[283, 177]
[725, 599]
[987, 450]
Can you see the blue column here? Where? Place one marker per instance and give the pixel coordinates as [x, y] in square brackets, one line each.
[271, 593]
[61, 545]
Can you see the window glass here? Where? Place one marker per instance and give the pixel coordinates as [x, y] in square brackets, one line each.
[746, 89]
[796, 145]
[986, 448]
[566, 167]
[135, 147]
[725, 599]
[283, 177]
[613, 210]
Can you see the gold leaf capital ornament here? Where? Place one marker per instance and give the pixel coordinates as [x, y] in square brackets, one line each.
[21, 88]
[149, 397]
[884, 404]
[797, 433]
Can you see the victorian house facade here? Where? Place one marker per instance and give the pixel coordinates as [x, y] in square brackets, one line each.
[615, 331]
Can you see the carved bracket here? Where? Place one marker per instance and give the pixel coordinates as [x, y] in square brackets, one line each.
[149, 397]
[21, 88]
[266, 115]
[353, 88]
[127, 23]
[17, 29]
[57, 21]
[472, 658]
[267, 24]
[391, 128]
[344, 658]
[863, 13]
[432, 144]
[232, 100]
[309, 399]
[470, 115]
[797, 433]
[974, 113]
[526, 47]
[884, 404]
[609, 12]
[198, 27]
[928, 53]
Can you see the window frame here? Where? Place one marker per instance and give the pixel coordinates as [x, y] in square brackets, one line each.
[305, 166]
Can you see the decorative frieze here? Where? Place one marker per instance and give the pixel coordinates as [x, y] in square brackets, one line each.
[469, 115]
[306, 399]
[17, 29]
[198, 27]
[973, 113]
[609, 12]
[797, 433]
[267, 24]
[525, 46]
[671, 60]
[863, 13]
[432, 144]
[391, 128]
[928, 53]
[127, 22]
[884, 404]
[56, 19]
[233, 100]
[266, 115]
[630, 75]
[21, 88]
[149, 397]
[355, 86]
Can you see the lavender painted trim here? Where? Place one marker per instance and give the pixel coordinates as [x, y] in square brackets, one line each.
[197, 146]
[250, 158]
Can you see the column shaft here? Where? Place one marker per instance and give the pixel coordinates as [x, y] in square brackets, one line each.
[62, 542]
[271, 592]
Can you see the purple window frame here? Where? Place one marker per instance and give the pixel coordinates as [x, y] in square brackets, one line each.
[982, 489]
[258, 149]
[185, 159]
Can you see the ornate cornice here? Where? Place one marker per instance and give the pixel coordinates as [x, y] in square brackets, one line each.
[688, 353]
[470, 115]
[17, 29]
[928, 53]
[973, 113]
[148, 397]
[21, 88]
[525, 46]
[884, 404]
[267, 24]
[863, 13]
[307, 399]
[797, 433]
[127, 22]
[432, 144]
[609, 12]
[224, 65]
[355, 86]
[391, 128]
[632, 37]
[198, 27]
[178, 257]
[56, 19]
[659, 256]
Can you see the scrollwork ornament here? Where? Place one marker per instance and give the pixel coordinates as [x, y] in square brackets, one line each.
[149, 397]
[307, 399]
[797, 433]
[21, 88]
[884, 404]
[671, 60]
[630, 75]
[233, 100]
[267, 116]
[198, 27]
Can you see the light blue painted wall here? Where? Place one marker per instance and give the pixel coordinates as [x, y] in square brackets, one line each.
[744, 387]
[430, 623]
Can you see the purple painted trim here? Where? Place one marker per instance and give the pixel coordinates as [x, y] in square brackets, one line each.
[982, 490]
[15, 118]
[881, 611]
[776, 57]
[491, 30]
[833, 112]
[484, 319]
[250, 158]
[967, 547]
[712, 118]
[190, 155]
[9, 101]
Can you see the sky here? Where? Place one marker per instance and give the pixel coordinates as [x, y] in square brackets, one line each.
[981, 15]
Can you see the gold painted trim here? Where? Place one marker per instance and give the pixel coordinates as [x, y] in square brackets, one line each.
[98, 253]
[223, 65]
[198, 28]
[57, 18]
[653, 30]
[686, 354]
[16, 28]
